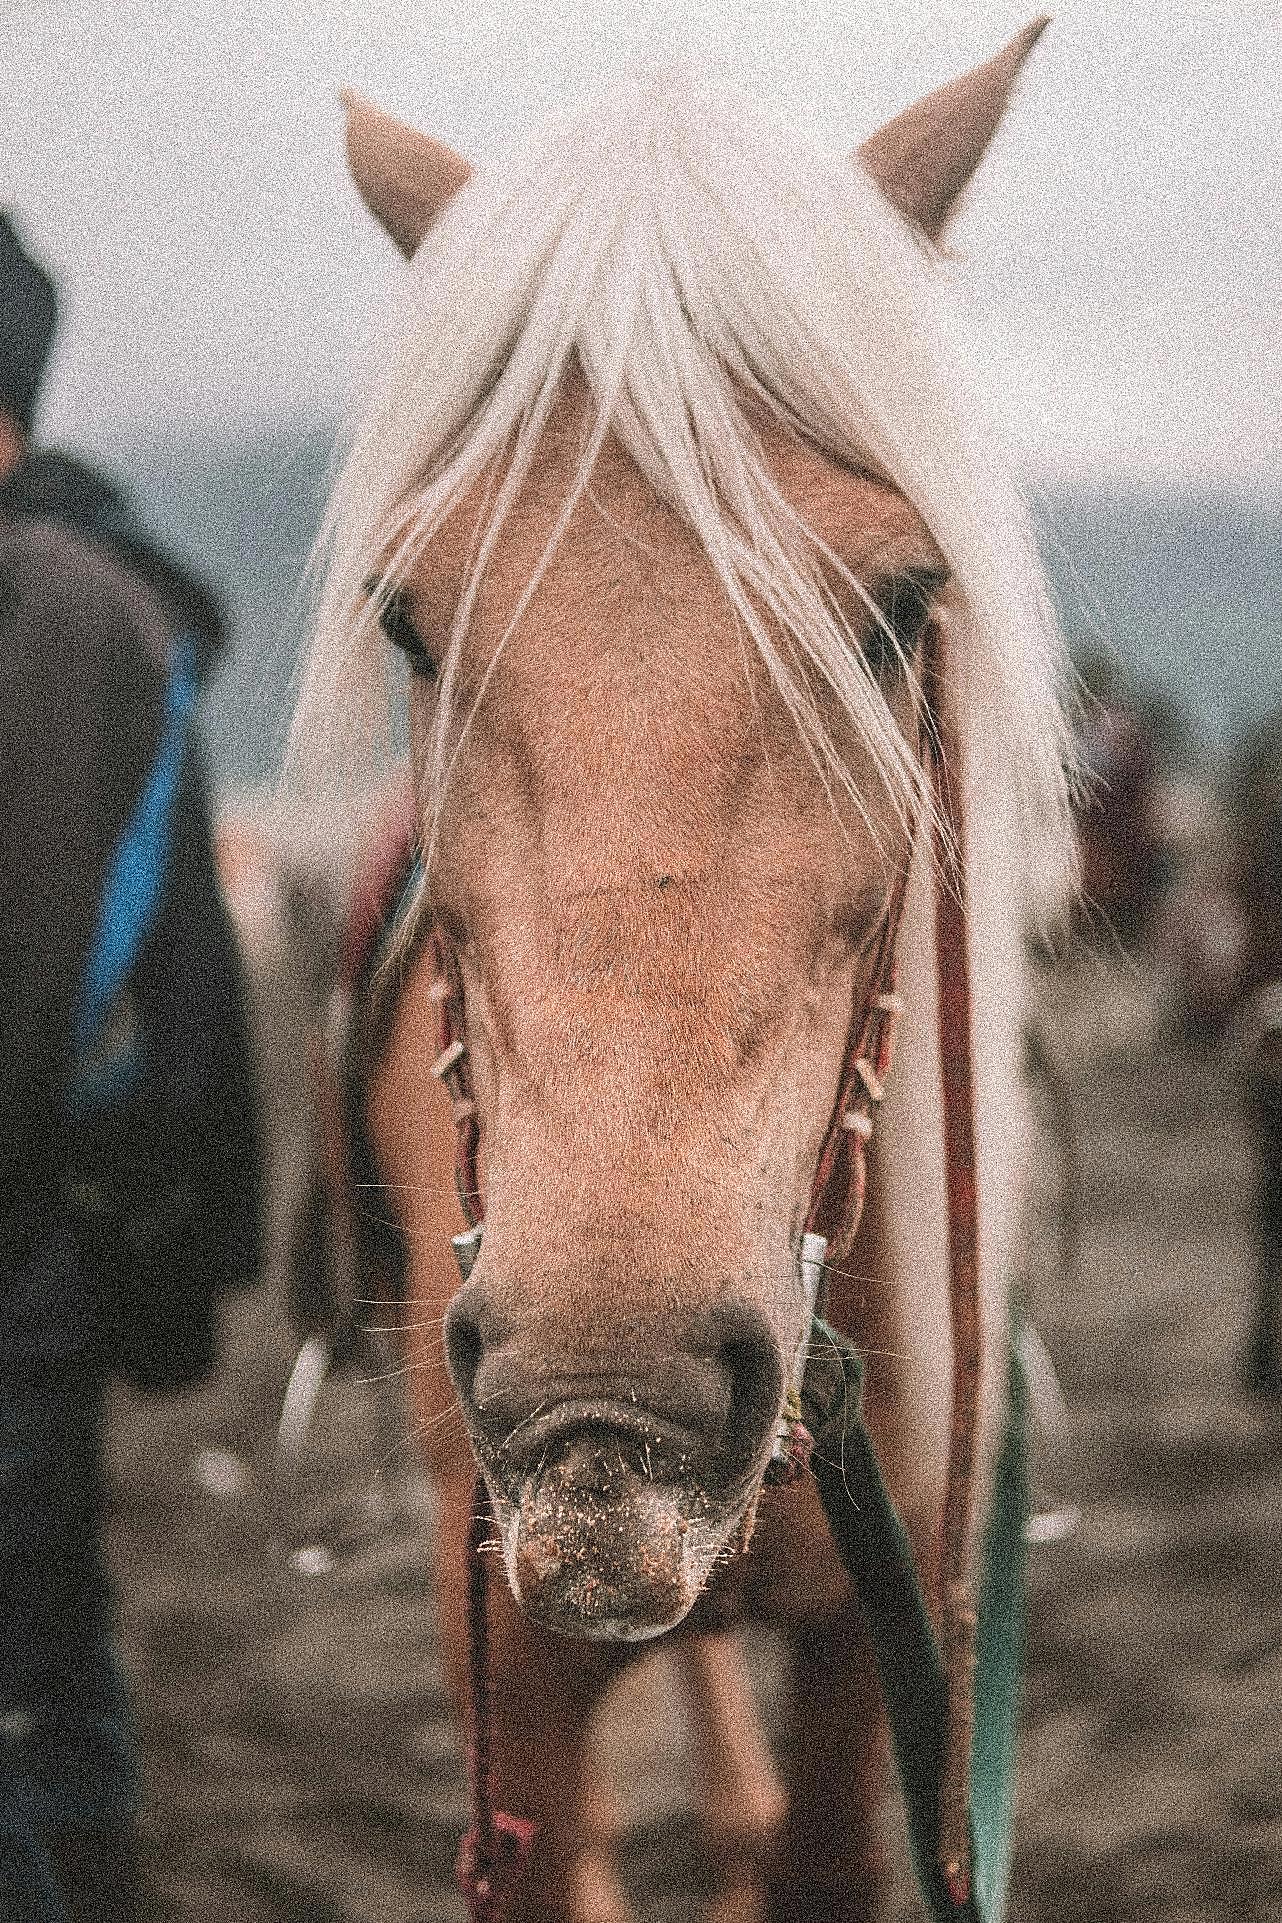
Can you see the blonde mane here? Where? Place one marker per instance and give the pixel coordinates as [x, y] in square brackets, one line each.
[683, 251]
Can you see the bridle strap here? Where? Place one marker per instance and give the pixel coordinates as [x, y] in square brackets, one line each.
[840, 1181]
[452, 1069]
[840, 1185]
[836, 1205]
[958, 1615]
[841, 1173]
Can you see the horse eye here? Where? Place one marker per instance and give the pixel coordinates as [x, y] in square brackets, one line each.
[398, 625]
[905, 604]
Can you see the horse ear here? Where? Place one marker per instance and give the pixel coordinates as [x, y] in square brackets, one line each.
[923, 159]
[404, 177]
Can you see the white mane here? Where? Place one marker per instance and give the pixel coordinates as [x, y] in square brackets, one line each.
[681, 247]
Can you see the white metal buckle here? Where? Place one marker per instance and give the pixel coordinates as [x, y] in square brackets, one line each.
[466, 1248]
[814, 1251]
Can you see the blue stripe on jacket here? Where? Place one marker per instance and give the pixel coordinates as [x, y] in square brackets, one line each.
[134, 886]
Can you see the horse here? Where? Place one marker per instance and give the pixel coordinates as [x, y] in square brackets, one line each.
[287, 882]
[731, 674]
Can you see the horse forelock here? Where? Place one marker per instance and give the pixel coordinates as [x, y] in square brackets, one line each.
[699, 272]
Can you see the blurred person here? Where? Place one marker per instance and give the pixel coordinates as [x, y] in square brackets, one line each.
[1119, 825]
[128, 1154]
[1254, 812]
[1202, 943]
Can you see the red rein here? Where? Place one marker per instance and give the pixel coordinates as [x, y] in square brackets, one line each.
[494, 1850]
[958, 1618]
[496, 1844]
[837, 1200]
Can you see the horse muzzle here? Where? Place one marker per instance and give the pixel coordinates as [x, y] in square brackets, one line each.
[596, 1546]
[618, 1471]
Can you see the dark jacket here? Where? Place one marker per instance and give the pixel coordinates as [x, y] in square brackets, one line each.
[120, 1227]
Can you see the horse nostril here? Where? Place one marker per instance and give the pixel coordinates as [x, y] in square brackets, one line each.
[713, 1399]
[464, 1341]
[748, 1353]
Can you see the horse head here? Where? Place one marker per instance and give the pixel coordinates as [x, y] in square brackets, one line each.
[664, 500]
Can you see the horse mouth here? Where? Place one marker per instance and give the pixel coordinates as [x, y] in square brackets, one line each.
[606, 1533]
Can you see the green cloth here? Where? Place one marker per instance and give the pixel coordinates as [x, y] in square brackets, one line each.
[874, 1547]
[1000, 1659]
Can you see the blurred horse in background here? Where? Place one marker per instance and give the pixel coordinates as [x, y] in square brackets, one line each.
[1253, 873]
[288, 885]
[672, 500]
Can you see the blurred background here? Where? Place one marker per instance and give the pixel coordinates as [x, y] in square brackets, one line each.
[179, 166]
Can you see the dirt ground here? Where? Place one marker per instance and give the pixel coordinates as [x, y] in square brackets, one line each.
[303, 1766]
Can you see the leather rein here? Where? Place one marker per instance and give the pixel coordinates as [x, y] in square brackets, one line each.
[496, 1843]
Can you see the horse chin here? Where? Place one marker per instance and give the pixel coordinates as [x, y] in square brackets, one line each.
[609, 1556]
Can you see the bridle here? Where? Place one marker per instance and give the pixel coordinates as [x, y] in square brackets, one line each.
[495, 1842]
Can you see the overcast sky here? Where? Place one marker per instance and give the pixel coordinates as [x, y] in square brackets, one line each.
[179, 163]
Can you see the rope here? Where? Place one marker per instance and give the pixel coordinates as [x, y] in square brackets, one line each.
[495, 1848]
